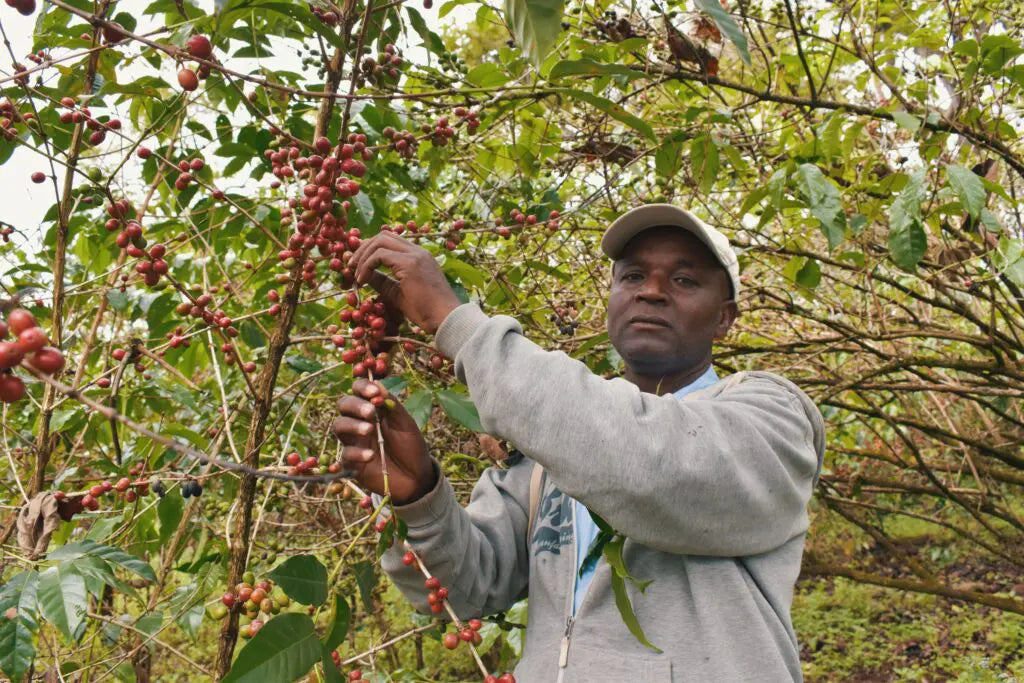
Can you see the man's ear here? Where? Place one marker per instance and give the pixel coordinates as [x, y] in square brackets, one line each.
[727, 316]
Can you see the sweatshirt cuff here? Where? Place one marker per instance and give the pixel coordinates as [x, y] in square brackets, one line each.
[457, 328]
[431, 506]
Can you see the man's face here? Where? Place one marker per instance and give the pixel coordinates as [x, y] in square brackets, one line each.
[669, 299]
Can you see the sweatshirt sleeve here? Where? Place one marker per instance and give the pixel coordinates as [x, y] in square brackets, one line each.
[728, 475]
[478, 552]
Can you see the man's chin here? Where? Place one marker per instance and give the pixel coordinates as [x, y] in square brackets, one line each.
[650, 361]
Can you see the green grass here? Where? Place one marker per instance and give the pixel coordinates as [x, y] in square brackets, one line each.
[855, 632]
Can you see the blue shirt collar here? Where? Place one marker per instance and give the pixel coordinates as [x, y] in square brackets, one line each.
[704, 381]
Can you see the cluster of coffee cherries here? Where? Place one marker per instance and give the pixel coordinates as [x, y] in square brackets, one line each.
[199, 47]
[565, 318]
[469, 634]
[31, 346]
[386, 64]
[186, 167]
[440, 131]
[323, 220]
[75, 114]
[129, 489]
[330, 17]
[200, 307]
[9, 115]
[26, 7]
[362, 346]
[402, 141]
[190, 488]
[297, 465]
[252, 598]
[470, 116]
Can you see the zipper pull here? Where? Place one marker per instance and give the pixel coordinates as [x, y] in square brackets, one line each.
[563, 651]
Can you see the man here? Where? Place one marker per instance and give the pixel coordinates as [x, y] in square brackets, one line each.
[708, 480]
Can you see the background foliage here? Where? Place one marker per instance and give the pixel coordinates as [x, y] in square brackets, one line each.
[864, 158]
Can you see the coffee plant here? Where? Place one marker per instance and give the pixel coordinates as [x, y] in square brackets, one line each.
[181, 322]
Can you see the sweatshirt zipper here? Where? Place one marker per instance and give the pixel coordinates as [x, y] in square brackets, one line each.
[563, 650]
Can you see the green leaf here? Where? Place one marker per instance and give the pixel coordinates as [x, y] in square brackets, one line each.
[487, 75]
[908, 121]
[113, 555]
[303, 578]
[704, 162]
[16, 648]
[907, 239]
[118, 300]
[461, 409]
[809, 275]
[968, 188]
[419, 406]
[823, 199]
[535, 25]
[366, 580]
[169, 511]
[613, 554]
[283, 650]
[303, 364]
[727, 25]
[62, 598]
[669, 157]
[588, 67]
[616, 111]
[430, 39]
[340, 621]
[626, 611]
[1009, 258]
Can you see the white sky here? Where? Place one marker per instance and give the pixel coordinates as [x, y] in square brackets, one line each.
[24, 203]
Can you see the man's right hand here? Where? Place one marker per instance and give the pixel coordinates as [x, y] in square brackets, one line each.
[410, 470]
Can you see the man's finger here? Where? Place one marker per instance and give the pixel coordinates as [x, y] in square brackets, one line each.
[387, 287]
[355, 406]
[380, 256]
[357, 455]
[384, 237]
[344, 426]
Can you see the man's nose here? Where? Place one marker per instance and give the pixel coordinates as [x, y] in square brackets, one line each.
[652, 289]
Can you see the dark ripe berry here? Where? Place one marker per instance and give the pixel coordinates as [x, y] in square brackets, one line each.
[38, 177]
[474, 624]
[197, 164]
[323, 145]
[466, 635]
[89, 502]
[451, 641]
[442, 593]
[189, 81]
[11, 388]
[408, 559]
[433, 583]
[506, 678]
[32, 339]
[47, 360]
[258, 595]
[293, 459]
[20, 320]
[26, 7]
[118, 354]
[130, 496]
[103, 383]
[122, 484]
[366, 503]
[96, 490]
[437, 609]
[199, 47]
[10, 354]
[491, 679]
[113, 33]
[355, 675]
[244, 593]
[3, 330]
[249, 367]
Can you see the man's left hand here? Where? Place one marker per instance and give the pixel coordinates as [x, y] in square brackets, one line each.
[417, 287]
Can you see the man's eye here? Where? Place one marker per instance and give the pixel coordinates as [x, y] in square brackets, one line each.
[632, 277]
[686, 282]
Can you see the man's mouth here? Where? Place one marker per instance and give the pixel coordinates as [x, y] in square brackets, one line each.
[648, 320]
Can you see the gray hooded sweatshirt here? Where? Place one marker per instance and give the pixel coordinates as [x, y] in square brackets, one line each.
[710, 491]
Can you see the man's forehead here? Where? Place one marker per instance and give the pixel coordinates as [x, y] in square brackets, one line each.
[665, 242]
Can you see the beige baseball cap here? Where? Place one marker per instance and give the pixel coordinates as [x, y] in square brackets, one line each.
[633, 222]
